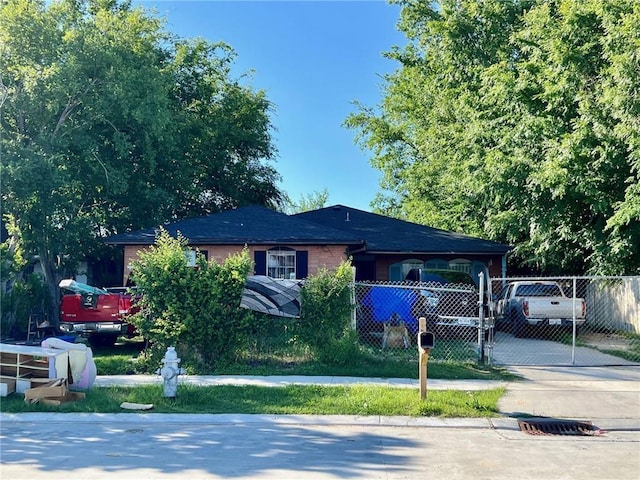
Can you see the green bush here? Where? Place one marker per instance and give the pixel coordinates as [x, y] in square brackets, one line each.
[324, 325]
[196, 309]
[25, 297]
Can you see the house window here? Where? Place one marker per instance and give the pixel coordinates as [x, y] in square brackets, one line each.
[398, 271]
[460, 265]
[191, 256]
[437, 264]
[281, 263]
[281, 257]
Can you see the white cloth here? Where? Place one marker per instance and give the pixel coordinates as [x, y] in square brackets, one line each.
[82, 366]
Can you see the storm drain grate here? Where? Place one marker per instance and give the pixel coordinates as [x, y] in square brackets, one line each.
[557, 427]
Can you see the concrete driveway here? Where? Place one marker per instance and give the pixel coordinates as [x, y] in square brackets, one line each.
[509, 350]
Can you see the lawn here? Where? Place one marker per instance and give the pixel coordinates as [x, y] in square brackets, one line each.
[121, 360]
[292, 399]
[359, 400]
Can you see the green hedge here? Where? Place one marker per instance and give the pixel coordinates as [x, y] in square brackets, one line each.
[197, 309]
[325, 323]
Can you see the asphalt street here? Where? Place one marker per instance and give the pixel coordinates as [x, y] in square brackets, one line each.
[155, 446]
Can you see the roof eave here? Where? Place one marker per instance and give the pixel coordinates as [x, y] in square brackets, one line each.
[250, 242]
[435, 252]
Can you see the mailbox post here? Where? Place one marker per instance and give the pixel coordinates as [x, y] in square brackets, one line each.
[426, 341]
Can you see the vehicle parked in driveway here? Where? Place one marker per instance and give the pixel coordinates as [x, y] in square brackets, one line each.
[526, 306]
[95, 313]
[457, 293]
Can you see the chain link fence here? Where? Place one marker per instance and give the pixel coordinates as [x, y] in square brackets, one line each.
[387, 317]
[581, 321]
[572, 321]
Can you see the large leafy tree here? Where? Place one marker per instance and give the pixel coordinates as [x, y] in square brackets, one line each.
[516, 120]
[110, 123]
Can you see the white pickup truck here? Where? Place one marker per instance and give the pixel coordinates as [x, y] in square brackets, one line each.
[525, 305]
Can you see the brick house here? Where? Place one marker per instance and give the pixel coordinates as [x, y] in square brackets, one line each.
[296, 246]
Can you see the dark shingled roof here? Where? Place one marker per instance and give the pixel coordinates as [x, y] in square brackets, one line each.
[390, 235]
[243, 226]
[336, 225]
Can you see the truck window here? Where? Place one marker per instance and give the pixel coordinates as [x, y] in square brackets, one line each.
[539, 290]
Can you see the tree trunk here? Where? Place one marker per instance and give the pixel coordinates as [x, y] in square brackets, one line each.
[51, 280]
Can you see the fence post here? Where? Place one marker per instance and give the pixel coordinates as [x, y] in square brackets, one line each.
[481, 318]
[354, 303]
[423, 359]
[574, 328]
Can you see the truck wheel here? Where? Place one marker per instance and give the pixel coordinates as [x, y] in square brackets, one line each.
[510, 324]
[517, 324]
[520, 327]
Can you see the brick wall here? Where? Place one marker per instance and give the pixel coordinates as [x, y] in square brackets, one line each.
[320, 256]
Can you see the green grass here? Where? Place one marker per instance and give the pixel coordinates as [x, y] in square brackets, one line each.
[121, 360]
[633, 354]
[293, 399]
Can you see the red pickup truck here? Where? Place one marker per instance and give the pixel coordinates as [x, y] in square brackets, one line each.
[96, 313]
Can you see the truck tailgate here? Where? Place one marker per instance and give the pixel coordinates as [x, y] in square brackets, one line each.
[553, 307]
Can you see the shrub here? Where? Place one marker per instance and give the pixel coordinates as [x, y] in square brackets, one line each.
[26, 296]
[324, 325]
[196, 309]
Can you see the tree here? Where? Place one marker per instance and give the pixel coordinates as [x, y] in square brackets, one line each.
[112, 124]
[513, 120]
[312, 201]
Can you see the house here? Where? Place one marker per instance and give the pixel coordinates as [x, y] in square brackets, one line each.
[295, 246]
[392, 247]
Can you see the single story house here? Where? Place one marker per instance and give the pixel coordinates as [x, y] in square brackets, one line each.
[295, 246]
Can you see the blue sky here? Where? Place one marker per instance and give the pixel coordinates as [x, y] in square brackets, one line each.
[313, 59]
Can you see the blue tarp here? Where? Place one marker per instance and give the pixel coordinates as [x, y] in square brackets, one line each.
[384, 302]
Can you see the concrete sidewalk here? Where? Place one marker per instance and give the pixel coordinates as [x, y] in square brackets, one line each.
[284, 380]
[608, 396]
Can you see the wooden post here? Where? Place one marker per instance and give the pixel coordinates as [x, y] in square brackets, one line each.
[424, 358]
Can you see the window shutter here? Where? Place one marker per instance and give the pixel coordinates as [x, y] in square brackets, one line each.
[302, 261]
[260, 261]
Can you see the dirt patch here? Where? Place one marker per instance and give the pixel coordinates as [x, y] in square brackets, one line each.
[607, 341]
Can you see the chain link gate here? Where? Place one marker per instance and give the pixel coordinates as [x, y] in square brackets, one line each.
[471, 326]
[566, 321]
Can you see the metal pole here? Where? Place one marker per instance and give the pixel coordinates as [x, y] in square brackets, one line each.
[492, 317]
[352, 294]
[481, 318]
[423, 357]
[573, 339]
